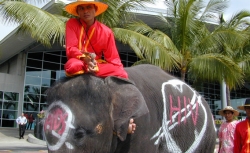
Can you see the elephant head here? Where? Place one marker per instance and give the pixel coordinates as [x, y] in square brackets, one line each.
[88, 114]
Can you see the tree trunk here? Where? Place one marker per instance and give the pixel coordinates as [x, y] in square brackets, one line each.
[183, 75]
[228, 96]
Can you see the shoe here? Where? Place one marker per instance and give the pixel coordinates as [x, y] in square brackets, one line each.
[19, 137]
[22, 138]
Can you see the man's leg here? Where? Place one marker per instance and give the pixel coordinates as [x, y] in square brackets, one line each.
[74, 67]
[107, 69]
[23, 130]
[20, 128]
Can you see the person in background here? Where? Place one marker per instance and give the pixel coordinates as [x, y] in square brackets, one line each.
[88, 40]
[21, 121]
[27, 117]
[30, 121]
[242, 131]
[226, 131]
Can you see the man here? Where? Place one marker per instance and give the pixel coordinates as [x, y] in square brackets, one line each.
[88, 40]
[242, 131]
[21, 121]
[227, 128]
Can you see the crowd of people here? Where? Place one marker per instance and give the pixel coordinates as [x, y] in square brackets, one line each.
[234, 136]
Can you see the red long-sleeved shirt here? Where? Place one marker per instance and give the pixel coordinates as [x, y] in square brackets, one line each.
[242, 137]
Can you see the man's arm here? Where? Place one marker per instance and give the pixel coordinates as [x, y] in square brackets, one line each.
[111, 54]
[25, 121]
[237, 140]
[17, 120]
[72, 41]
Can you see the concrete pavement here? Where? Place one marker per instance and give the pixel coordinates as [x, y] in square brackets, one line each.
[10, 142]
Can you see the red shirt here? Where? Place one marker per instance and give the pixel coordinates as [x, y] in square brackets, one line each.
[242, 137]
[98, 39]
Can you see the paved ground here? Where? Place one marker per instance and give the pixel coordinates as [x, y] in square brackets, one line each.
[10, 142]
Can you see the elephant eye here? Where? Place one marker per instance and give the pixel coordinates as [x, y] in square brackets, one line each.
[80, 135]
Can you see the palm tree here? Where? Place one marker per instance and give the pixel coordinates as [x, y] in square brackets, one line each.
[194, 46]
[237, 46]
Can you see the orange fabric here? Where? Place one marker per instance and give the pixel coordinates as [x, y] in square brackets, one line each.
[242, 137]
[99, 40]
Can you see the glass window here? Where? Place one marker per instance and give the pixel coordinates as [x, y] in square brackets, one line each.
[34, 63]
[33, 80]
[60, 74]
[38, 56]
[43, 107]
[10, 105]
[49, 74]
[11, 96]
[28, 106]
[43, 99]
[44, 88]
[33, 72]
[33, 97]
[1, 95]
[64, 59]
[51, 66]
[9, 117]
[1, 104]
[48, 82]
[52, 58]
[32, 89]
[58, 53]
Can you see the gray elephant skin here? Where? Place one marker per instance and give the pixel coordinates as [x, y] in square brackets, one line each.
[88, 114]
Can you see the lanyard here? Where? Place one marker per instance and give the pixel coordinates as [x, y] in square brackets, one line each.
[86, 36]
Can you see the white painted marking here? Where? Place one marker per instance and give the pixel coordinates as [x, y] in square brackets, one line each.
[69, 145]
[68, 124]
[163, 131]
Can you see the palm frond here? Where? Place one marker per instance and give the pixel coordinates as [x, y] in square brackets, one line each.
[143, 61]
[146, 48]
[43, 26]
[215, 67]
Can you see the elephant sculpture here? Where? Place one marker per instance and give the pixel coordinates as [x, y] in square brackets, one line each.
[88, 114]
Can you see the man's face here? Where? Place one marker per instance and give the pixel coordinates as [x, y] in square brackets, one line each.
[228, 115]
[86, 12]
[22, 114]
[247, 109]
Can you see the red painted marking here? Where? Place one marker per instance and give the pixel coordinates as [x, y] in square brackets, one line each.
[185, 106]
[194, 117]
[56, 121]
[194, 113]
[172, 109]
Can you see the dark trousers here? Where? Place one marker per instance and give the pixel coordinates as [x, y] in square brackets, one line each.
[21, 129]
[29, 125]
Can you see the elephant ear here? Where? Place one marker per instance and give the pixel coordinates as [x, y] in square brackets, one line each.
[127, 102]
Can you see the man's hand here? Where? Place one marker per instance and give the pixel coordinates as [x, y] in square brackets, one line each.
[91, 62]
[91, 66]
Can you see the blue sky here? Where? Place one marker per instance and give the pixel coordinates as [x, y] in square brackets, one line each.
[234, 7]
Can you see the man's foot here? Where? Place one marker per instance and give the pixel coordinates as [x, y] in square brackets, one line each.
[131, 126]
[19, 137]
